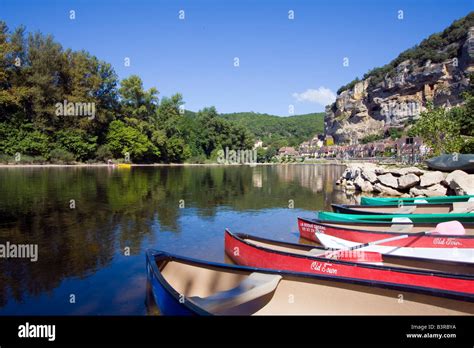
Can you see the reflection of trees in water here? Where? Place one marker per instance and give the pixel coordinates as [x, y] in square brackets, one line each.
[71, 242]
[116, 208]
[317, 178]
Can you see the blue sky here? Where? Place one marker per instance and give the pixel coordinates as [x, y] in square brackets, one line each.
[282, 62]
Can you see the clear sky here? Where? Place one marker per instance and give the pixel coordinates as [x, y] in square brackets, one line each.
[282, 61]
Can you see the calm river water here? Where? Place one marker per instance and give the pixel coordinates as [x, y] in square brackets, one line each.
[84, 219]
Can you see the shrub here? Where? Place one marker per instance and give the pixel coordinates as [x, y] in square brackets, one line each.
[198, 159]
[468, 146]
[61, 156]
[5, 158]
[370, 138]
[34, 143]
[103, 153]
[77, 142]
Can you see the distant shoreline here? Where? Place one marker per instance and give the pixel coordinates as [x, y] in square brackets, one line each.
[104, 165]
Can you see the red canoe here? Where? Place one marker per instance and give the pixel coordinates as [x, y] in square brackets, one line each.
[263, 253]
[457, 248]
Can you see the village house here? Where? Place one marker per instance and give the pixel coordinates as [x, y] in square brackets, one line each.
[288, 151]
[310, 148]
[258, 143]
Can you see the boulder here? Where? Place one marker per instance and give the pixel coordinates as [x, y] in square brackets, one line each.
[386, 190]
[363, 185]
[414, 170]
[388, 180]
[431, 191]
[408, 181]
[379, 171]
[350, 186]
[461, 182]
[405, 171]
[369, 175]
[351, 173]
[436, 190]
[431, 178]
[394, 171]
[417, 192]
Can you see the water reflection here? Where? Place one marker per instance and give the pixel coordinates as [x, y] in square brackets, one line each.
[84, 219]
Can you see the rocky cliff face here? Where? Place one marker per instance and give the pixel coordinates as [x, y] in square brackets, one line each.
[369, 108]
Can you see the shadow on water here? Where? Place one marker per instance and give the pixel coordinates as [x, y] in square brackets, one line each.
[86, 220]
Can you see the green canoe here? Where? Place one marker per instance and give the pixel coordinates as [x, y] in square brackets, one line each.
[429, 218]
[411, 200]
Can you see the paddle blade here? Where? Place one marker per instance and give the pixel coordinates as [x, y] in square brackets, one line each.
[452, 228]
[354, 256]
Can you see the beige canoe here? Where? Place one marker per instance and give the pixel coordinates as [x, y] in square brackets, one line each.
[228, 290]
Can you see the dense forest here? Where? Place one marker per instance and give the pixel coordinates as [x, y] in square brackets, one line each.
[436, 48]
[279, 131]
[62, 106]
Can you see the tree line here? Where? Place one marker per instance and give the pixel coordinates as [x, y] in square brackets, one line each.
[39, 80]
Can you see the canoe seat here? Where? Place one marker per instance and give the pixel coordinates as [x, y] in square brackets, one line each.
[420, 201]
[401, 227]
[253, 287]
[462, 207]
[407, 209]
[315, 252]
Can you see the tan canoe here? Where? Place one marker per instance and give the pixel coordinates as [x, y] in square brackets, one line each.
[186, 286]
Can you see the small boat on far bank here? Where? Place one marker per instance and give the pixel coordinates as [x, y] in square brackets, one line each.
[414, 200]
[124, 165]
[452, 162]
[185, 286]
[344, 234]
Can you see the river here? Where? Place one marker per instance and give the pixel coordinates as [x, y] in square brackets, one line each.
[92, 226]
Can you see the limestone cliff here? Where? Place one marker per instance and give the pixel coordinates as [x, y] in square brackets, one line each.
[437, 70]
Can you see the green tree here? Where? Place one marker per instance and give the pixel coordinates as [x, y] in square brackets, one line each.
[123, 139]
[439, 131]
[136, 102]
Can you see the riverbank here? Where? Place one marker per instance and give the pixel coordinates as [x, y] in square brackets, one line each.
[404, 181]
[48, 165]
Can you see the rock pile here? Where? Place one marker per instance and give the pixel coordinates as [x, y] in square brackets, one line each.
[405, 182]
